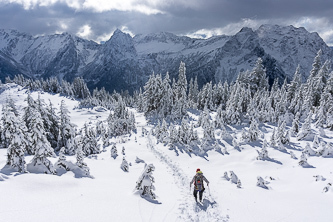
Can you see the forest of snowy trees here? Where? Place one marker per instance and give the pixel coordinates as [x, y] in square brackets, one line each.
[44, 131]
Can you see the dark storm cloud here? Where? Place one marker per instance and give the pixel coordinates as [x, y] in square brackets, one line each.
[179, 17]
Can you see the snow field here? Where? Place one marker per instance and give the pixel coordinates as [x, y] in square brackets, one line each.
[293, 193]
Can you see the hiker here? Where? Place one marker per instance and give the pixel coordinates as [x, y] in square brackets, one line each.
[198, 184]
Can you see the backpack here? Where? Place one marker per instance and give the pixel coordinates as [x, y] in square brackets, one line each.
[198, 183]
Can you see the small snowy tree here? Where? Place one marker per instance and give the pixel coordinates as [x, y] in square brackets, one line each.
[145, 182]
[315, 143]
[303, 160]
[124, 165]
[295, 124]
[308, 150]
[273, 142]
[89, 141]
[225, 175]
[80, 158]
[327, 188]
[233, 177]
[61, 164]
[235, 144]
[239, 184]
[254, 132]
[114, 152]
[292, 155]
[261, 182]
[305, 132]
[263, 154]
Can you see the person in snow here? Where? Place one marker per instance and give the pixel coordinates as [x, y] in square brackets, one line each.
[198, 180]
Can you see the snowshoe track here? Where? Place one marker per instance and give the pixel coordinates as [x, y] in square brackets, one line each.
[190, 211]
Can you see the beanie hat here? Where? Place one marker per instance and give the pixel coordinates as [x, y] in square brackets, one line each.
[197, 170]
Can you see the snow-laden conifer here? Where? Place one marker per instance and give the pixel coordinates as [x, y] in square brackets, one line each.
[292, 155]
[261, 182]
[89, 141]
[254, 132]
[61, 164]
[85, 171]
[114, 152]
[304, 160]
[327, 187]
[239, 183]
[233, 177]
[295, 125]
[145, 182]
[305, 132]
[16, 140]
[66, 130]
[263, 154]
[124, 165]
[315, 143]
[41, 147]
[225, 175]
[52, 125]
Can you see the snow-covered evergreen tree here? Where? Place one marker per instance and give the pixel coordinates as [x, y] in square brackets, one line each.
[254, 132]
[225, 175]
[219, 118]
[257, 77]
[80, 157]
[239, 184]
[16, 140]
[114, 152]
[292, 155]
[89, 141]
[37, 135]
[295, 84]
[145, 182]
[233, 177]
[124, 165]
[315, 143]
[225, 135]
[308, 150]
[61, 163]
[305, 132]
[273, 141]
[66, 130]
[304, 160]
[121, 121]
[41, 147]
[263, 154]
[261, 182]
[295, 125]
[327, 188]
[52, 126]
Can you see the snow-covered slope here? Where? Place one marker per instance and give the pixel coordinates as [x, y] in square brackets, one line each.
[124, 63]
[292, 193]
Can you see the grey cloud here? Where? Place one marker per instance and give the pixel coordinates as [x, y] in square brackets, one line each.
[178, 18]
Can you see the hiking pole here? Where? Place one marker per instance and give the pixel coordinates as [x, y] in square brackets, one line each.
[208, 190]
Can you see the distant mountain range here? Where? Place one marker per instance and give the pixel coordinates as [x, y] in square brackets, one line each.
[125, 63]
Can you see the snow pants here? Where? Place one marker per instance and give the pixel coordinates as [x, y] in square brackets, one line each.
[195, 194]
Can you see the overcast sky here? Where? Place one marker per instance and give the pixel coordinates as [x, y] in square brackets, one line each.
[97, 19]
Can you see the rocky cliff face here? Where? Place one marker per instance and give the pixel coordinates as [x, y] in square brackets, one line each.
[124, 63]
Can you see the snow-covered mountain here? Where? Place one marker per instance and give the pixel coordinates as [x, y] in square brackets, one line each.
[124, 62]
[62, 55]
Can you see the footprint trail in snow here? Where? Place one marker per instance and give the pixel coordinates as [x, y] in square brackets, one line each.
[189, 210]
